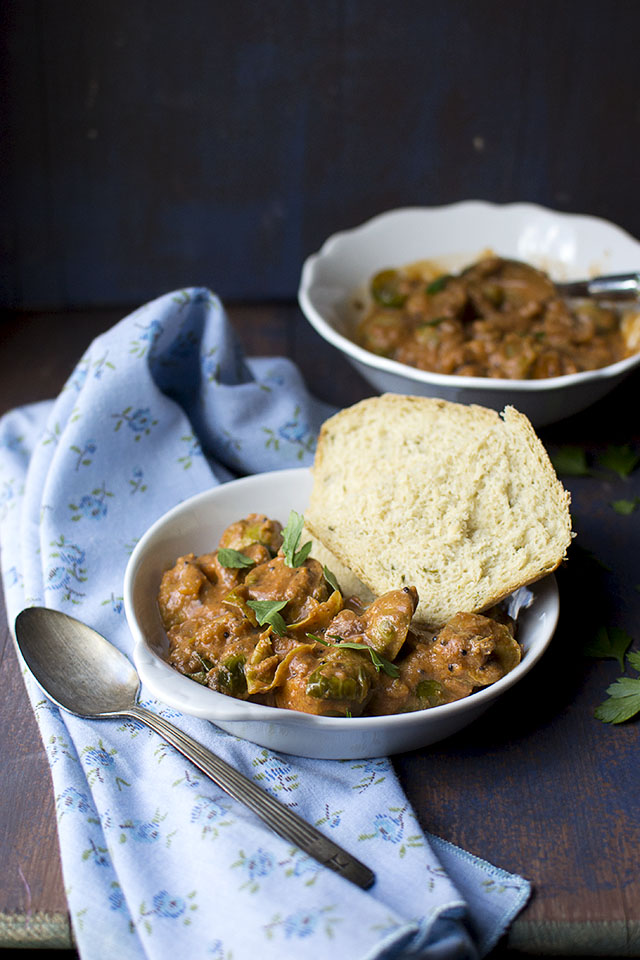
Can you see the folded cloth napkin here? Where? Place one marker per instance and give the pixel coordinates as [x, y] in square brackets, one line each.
[159, 862]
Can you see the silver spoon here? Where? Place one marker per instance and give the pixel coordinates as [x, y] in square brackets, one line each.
[86, 675]
[619, 286]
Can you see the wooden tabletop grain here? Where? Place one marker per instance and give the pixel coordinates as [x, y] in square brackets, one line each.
[537, 786]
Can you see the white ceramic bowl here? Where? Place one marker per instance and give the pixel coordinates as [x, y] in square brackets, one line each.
[195, 526]
[567, 246]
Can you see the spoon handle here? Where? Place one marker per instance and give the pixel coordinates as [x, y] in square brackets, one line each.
[276, 815]
[619, 286]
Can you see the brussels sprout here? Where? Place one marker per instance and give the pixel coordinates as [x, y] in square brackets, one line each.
[387, 620]
[319, 615]
[386, 290]
[231, 677]
[237, 598]
[431, 691]
[340, 676]
[255, 528]
[201, 676]
[494, 294]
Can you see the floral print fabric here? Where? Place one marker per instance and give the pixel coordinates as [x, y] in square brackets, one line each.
[158, 862]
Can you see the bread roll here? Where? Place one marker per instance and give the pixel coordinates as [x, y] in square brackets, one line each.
[459, 501]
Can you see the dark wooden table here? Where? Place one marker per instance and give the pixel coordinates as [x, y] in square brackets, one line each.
[537, 786]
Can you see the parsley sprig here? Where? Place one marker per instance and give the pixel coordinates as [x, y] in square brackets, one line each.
[380, 663]
[626, 507]
[623, 701]
[227, 557]
[330, 578]
[609, 643]
[268, 611]
[572, 460]
[622, 460]
[290, 538]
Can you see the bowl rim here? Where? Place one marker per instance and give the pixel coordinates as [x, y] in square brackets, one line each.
[156, 673]
[357, 353]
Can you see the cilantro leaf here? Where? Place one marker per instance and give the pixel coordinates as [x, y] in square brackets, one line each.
[609, 643]
[625, 507]
[622, 460]
[622, 703]
[233, 558]
[571, 461]
[290, 537]
[267, 612]
[380, 663]
[330, 578]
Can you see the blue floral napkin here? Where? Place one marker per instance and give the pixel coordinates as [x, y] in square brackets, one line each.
[158, 862]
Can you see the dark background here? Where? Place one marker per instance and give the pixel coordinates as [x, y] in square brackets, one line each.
[151, 145]
[145, 146]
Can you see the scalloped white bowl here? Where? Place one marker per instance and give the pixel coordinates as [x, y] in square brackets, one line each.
[568, 246]
[195, 526]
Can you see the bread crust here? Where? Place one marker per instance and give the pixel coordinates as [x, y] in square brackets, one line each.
[457, 500]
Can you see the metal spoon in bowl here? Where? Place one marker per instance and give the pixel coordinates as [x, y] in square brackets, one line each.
[86, 675]
[619, 286]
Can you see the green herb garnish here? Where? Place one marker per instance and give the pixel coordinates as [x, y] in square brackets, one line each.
[437, 285]
[622, 460]
[290, 537]
[609, 643]
[434, 322]
[267, 611]
[571, 461]
[634, 659]
[625, 507]
[330, 578]
[623, 701]
[380, 663]
[233, 558]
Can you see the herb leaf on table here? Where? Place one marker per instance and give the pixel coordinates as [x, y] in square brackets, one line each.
[623, 701]
[571, 461]
[609, 643]
[625, 507]
[622, 460]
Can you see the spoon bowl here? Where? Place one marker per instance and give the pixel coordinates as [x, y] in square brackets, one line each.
[77, 668]
[87, 676]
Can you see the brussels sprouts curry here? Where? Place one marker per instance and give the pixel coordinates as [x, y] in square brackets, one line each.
[260, 620]
[498, 318]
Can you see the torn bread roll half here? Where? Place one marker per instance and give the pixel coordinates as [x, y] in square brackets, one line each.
[459, 501]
